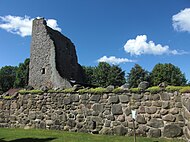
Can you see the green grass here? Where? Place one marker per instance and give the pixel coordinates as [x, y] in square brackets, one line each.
[30, 91]
[135, 90]
[33, 135]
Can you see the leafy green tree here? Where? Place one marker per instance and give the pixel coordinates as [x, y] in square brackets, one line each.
[104, 74]
[136, 75]
[7, 77]
[116, 76]
[89, 75]
[168, 73]
[22, 74]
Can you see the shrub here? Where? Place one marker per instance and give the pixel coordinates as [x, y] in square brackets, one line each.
[84, 90]
[118, 90]
[68, 90]
[7, 97]
[134, 90]
[30, 91]
[98, 90]
[173, 88]
[154, 89]
[185, 89]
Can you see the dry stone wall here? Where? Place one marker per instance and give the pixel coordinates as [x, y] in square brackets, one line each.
[158, 115]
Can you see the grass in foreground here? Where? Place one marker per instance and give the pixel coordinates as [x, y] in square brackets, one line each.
[33, 135]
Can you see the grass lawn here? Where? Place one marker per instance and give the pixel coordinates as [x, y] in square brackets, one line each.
[33, 135]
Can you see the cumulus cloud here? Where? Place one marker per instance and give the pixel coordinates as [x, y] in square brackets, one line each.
[140, 46]
[114, 60]
[22, 25]
[181, 21]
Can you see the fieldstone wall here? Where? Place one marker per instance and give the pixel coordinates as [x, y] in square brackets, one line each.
[158, 115]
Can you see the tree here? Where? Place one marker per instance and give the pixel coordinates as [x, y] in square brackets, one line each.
[89, 75]
[137, 74]
[22, 74]
[168, 73]
[116, 76]
[104, 75]
[7, 77]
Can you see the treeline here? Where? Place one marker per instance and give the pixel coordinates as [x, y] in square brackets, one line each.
[102, 75]
[14, 77]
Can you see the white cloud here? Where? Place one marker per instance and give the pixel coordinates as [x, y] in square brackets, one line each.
[181, 21]
[22, 25]
[140, 46]
[114, 60]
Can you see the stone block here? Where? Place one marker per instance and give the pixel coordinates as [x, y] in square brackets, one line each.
[165, 96]
[157, 103]
[106, 131]
[154, 97]
[117, 109]
[137, 97]
[165, 105]
[74, 98]
[156, 123]
[156, 133]
[113, 99]
[98, 107]
[32, 115]
[172, 131]
[174, 111]
[140, 119]
[169, 117]
[124, 98]
[121, 118]
[151, 110]
[120, 130]
[67, 101]
[95, 98]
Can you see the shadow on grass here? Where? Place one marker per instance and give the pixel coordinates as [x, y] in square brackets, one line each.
[29, 140]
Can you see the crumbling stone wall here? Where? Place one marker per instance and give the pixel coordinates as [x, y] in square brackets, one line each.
[53, 59]
[158, 115]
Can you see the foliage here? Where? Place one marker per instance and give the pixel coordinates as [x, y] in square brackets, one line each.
[22, 74]
[98, 90]
[30, 91]
[154, 89]
[168, 73]
[137, 74]
[134, 90]
[173, 88]
[68, 90]
[118, 90]
[84, 90]
[185, 89]
[104, 75]
[7, 97]
[63, 136]
[7, 77]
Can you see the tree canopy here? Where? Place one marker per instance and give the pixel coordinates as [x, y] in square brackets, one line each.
[136, 75]
[168, 73]
[104, 75]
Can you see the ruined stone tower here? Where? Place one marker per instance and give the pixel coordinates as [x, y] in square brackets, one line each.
[53, 59]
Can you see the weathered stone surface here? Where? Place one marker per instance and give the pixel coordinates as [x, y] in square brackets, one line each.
[98, 107]
[157, 103]
[121, 118]
[110, 88]
[156, 133]
[154, 97]
[124, 98]
[95, 98]
[120, 130]
[165, 105]
[113, 99]
[137, 96]
[49, 122]
[74, 98]
[32, 115]
[140, 119]
[53, 59]
[165, 96]
[106, 131]
[67, 101]
[143, 85]
[117, 109]
[71, 123]
[172, 130]
[169, 117]
[150, 110]
[156, 123]
[174, 111]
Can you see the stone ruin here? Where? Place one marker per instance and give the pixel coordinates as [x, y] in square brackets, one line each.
[53, 58]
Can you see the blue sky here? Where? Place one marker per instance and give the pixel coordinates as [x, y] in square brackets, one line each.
[123, 32]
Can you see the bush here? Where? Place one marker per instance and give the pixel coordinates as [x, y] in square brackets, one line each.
[134, 90]
[154, 89]
[84, 90]
[98, 90]
[118, 90]
[30, 91]
[173, 88]
[185, 89]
